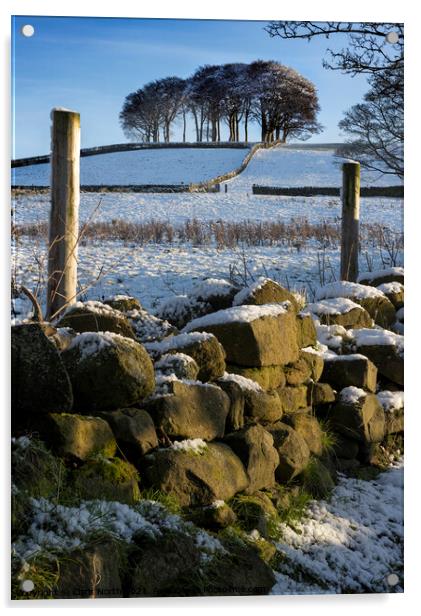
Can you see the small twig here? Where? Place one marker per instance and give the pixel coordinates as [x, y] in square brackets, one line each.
[35, 303]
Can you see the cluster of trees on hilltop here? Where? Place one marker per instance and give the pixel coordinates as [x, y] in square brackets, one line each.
[279, 99]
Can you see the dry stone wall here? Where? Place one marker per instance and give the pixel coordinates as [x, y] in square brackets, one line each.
[246, 398]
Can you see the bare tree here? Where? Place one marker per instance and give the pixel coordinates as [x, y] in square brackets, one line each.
[375, 126]
[171, 94]
[283, 102]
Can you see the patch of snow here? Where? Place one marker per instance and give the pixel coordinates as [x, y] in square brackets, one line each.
[167, 362]
[399, 328]
[333, 306]
[237, 314]
[320, 349]
[391, 287]
[375, 337]
[349, 544]
[93, 306]
[21, 442]
[390, 271]
[242, 295]
[350, 357]
[217, 504]
[92, 343]
[347, 289]
[211, 287]
[242, 381]
[352, 395]
[148, 327]
[181, 341]
[331, 336]
[391, 401]
[59, 528]
[195, 445]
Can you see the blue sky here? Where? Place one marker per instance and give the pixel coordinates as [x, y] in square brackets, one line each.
[91, 64]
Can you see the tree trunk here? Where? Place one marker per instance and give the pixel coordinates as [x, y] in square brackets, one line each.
[184, 126]
[246, 119]
[196, 123]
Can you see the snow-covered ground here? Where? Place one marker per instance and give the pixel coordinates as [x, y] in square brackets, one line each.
[275, 167]
[155, 272]
[229, 207]
[172, 166]
[351, 544]
[284, 167]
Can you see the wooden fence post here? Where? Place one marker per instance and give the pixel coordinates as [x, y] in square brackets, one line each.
[350, 220]
[64, 216]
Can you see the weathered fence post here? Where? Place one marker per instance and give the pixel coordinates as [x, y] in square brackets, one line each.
[64, 216]
[350, 220]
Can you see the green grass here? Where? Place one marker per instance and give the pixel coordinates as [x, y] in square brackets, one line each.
[169, 501]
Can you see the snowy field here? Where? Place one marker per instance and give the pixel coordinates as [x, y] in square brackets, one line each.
[172, 166]
[285, 167]
[155, 272]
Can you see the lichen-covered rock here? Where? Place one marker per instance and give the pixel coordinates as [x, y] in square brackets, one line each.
[40, 383]
[384, 348]
[340, 311]
[253, 336]
[216, 292]
[394, 292]
[259, 405]
[393, 406]
[378, 277]
[62, 337]
[197, 478]
[298, 372]
[293, 451]
[306, 329]
[215, 516]
[134, 430]
[106, 479]
[268, 377]
[124, 303]
[264, 406]
[254, 446]
[314, 361]
[264, 291]
[307, 426]
[170, 565]
[92, 572]
[93, 316]
[374, 301]
[358, 415]
[189, 410]
[180, 364]
[255, 511]
[235, 417]
[320, 393]
[343, 370]
[202, 347]
[293, 398]
[35, 473]
[345, 448]
[77, 437]
[108, 371]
